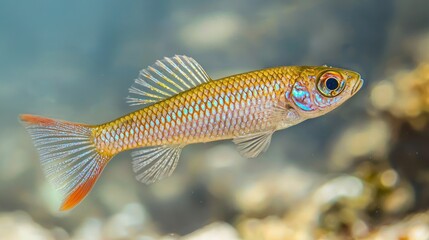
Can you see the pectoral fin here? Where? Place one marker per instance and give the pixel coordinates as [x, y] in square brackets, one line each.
[252, 145]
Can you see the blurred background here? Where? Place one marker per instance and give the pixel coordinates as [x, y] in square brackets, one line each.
[360, 172]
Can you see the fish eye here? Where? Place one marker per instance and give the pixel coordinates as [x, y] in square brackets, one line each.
[330, 83]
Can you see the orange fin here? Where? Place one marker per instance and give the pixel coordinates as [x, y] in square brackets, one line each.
[32, 119]
[68, 156]
[79, 193]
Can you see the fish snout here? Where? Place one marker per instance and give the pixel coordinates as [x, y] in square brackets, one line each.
[357, 86]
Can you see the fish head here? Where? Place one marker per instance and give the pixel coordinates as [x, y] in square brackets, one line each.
[319, 90]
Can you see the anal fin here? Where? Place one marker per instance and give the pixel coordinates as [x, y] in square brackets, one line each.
[155, 163]
[252, 145]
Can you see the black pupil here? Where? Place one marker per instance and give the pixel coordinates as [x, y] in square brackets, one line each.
[332, 84]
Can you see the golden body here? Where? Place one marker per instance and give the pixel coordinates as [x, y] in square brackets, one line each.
[220, 109]
[185, 106]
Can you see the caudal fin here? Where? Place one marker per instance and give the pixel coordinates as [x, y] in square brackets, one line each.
[68, 156]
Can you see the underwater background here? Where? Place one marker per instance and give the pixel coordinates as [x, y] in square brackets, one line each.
[360, 172]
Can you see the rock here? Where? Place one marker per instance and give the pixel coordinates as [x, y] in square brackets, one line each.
[214, 231]
[19, 225]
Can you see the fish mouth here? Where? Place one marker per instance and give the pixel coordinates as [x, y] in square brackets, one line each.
[357, 86]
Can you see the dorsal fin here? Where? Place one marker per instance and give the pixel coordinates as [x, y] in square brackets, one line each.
[166, 78]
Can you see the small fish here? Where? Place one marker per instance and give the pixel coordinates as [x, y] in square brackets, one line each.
[182, 105]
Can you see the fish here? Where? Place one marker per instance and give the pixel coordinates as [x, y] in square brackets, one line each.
[181, 105]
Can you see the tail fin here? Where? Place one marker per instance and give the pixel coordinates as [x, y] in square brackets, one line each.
[68, 156]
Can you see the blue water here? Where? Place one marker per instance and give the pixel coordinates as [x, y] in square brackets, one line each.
[75, 60]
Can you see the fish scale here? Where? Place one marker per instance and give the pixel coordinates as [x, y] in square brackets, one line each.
[216, 110]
